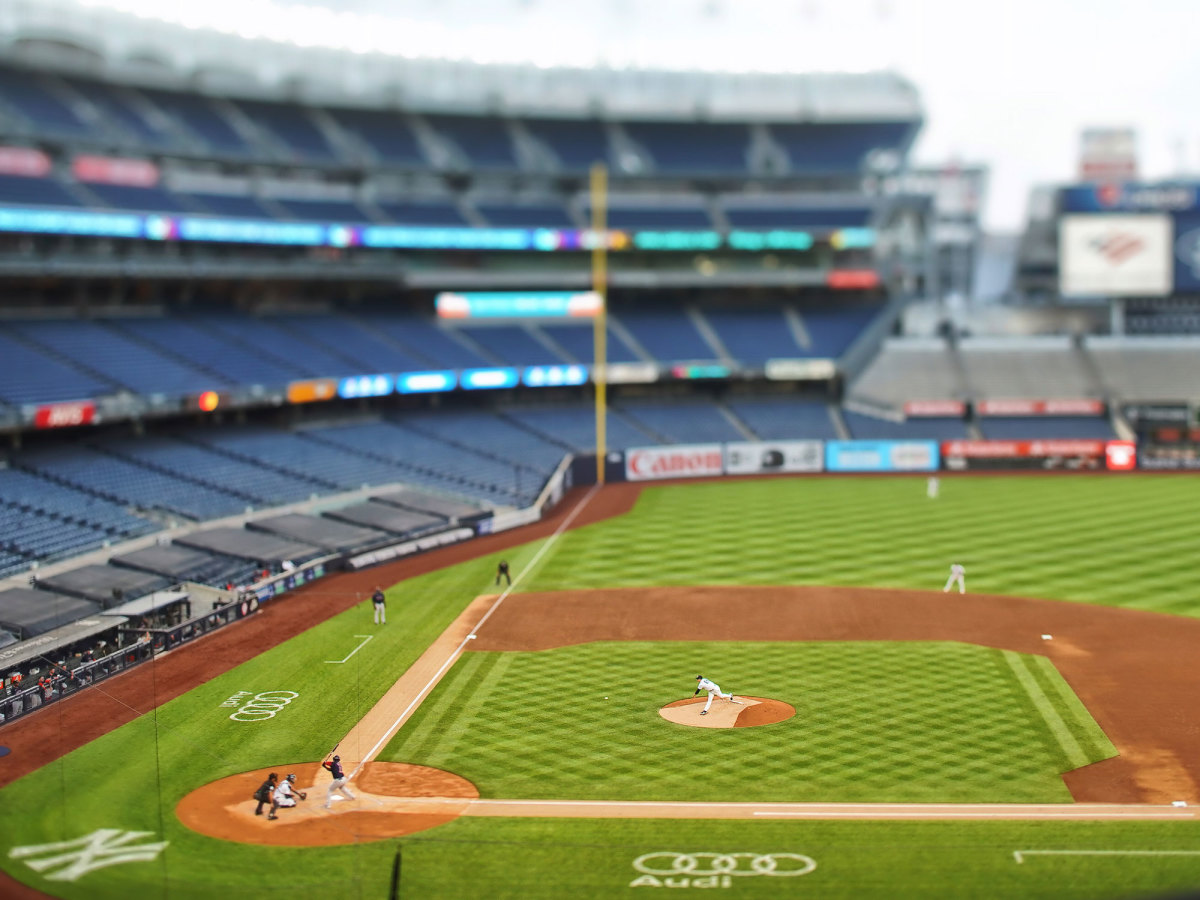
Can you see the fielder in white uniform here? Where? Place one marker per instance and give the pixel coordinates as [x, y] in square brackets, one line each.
[714, 690]
[957, 573]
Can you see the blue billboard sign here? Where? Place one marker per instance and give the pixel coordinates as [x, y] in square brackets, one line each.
[425, 382]
[882, 456]
[489, 379]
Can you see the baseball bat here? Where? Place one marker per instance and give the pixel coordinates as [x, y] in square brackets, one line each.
[334, 750]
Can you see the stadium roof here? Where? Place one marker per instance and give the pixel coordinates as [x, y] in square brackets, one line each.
[475, 55]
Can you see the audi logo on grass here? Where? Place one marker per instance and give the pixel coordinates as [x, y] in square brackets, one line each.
[666, 868]
[261, 706]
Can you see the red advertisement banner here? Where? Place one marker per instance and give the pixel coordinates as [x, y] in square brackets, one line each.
[24, 161]
[1019, 449]
[934, 408]
[115, 170]
[64, 415]
[1067, 407]
[852, 279]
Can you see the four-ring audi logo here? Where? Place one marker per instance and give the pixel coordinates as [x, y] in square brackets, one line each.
[667, 868]
[263, 706]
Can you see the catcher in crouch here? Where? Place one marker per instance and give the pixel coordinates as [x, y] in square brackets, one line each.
[714, 690]
[285, 795]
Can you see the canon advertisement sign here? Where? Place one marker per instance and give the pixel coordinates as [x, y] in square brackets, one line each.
[685, 461]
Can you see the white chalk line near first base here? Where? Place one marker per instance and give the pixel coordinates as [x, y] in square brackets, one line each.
[437, 676]
[363, 643]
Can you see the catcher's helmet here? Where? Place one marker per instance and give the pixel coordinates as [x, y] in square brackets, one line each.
[291, 778]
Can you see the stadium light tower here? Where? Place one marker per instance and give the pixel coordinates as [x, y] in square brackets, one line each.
[599, 192]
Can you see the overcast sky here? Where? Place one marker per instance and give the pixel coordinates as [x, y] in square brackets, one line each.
[1006, 84]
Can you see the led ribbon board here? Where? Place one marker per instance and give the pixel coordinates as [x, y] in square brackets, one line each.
[518, 305]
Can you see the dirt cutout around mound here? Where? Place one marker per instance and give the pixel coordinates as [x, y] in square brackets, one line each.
[747, 712]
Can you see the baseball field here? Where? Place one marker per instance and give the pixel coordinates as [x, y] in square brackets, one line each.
[1033, 737]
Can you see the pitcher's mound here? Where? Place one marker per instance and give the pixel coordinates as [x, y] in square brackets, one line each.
[748, 711]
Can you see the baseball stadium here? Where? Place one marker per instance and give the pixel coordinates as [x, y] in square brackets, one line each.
[438, 476]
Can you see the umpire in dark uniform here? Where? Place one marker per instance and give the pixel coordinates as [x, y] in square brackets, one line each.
[502, 572]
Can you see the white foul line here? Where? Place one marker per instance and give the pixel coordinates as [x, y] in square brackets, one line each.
[429, 685]
[365, 637]
[1019, 855]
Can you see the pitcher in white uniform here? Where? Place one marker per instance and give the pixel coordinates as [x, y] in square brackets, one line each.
[714, 690]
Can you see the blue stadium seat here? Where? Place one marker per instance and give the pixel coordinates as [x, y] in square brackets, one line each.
[127, 362]
[239, 205]
[843, 147]
[423, 213]
[833, 328]
[483, 139]
[512, 344]
[115, 107]
[56, 380]
[513, 215]
[323, 210]
[1030, 427]
[874, 429]
[666, 334]
[291, 125]
[688, 422]
[574, 427]
[424, 340]
[752, 336]
[27, 94]
[143, 199]
[579, 342]
[784, 418]
[745, 216]
[35, 191]
[658, 217]
[385, 133]
[578, 143]
[693, 147]
[199, 116]
[374, 352]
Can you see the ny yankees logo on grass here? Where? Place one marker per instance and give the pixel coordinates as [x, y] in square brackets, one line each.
[102, 848]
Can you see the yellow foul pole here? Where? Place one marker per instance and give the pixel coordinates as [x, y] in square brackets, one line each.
[599, 188]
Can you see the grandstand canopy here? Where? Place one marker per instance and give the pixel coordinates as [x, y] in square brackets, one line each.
[320, 532]
[100, 584]
[252, 545]
[28, 613]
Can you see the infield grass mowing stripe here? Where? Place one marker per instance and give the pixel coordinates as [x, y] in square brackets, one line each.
[481, 689]
[1087, 731]
[1075, 754]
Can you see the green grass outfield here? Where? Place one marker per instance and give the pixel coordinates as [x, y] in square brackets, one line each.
[1120, 540]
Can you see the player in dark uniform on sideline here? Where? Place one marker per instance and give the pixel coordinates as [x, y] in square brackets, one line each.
[378, 601]
[502, 572]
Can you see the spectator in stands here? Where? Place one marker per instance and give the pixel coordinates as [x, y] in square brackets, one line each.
[502, 572]
[288, 565]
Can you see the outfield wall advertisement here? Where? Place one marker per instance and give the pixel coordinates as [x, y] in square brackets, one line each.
[1048, 454]
[882, 456]
[751, 458]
